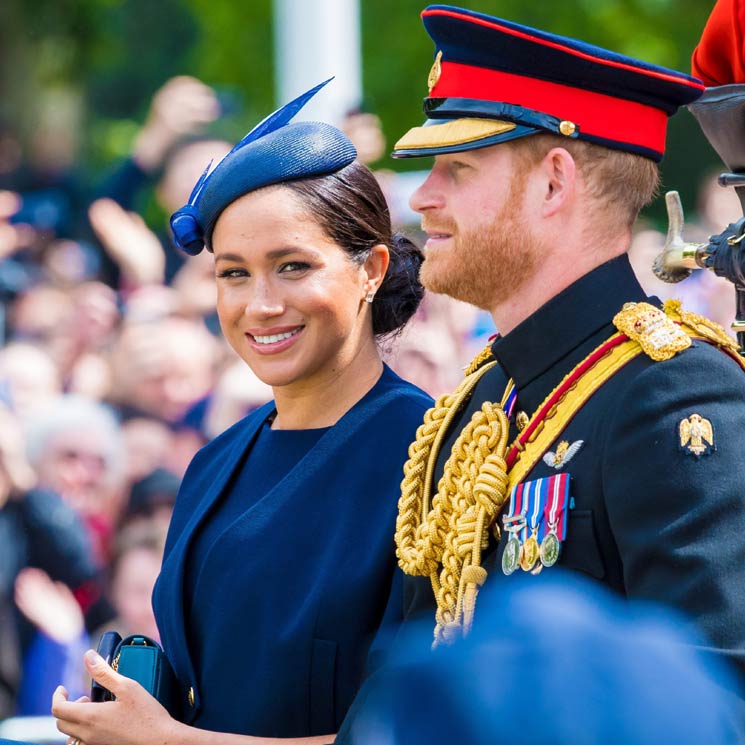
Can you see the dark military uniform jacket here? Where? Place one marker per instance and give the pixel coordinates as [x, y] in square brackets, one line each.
[651, 518]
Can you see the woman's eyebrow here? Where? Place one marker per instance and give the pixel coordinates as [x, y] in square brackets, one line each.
[277, 253]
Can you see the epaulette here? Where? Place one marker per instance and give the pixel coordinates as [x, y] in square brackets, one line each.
[656, 333]
[663, 333]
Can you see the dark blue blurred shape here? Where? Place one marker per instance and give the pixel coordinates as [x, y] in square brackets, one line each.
[557, 661]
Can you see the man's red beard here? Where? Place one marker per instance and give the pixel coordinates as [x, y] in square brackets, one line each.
[485, 265]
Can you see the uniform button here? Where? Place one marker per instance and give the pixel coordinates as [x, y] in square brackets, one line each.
[521, 420]
[191, 696]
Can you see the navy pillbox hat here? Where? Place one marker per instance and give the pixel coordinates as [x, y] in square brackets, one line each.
[493, 80]
[272, 152]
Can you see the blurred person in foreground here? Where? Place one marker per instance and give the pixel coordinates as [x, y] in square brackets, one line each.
[600, 431]
[571, 664]
[278, 563]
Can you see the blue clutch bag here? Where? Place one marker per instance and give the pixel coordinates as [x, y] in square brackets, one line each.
[141, 658]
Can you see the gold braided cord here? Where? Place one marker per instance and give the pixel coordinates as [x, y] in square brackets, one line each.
[471, 493]
[445, 542]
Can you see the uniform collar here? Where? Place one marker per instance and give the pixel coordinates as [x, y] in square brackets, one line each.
[543, 339]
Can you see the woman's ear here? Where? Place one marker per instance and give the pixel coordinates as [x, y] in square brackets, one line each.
[375, 267]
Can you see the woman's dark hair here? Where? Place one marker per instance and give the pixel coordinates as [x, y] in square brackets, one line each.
[351, 208]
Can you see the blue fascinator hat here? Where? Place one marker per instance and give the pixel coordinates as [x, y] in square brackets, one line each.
[273, 151]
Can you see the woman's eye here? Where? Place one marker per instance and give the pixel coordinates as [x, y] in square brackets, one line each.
[293, 266]
[232, 273]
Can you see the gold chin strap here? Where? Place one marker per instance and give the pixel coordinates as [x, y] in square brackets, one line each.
[446, 541]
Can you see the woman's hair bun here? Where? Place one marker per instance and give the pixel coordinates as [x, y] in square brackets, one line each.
[400, 293]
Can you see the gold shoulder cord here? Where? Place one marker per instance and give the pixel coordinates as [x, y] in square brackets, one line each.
[700, 327]
[445, 541]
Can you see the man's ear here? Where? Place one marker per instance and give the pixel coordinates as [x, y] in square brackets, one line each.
[559, 172]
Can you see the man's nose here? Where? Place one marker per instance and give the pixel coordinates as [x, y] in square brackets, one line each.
[427, 196]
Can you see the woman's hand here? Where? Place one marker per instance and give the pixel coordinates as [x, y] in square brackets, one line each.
[135, 718]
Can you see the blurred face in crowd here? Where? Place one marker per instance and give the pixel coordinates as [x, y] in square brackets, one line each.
[164, 367]
[290, 300]
[75, 465]
[185, 167]
[132, 588]
[31, 377]
[479, 242]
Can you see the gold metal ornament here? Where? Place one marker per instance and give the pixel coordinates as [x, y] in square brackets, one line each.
[564, 453]
[530, 554]
[521, 420]
[435, 72]
[567, 128]
[659, 336]
[695, 432]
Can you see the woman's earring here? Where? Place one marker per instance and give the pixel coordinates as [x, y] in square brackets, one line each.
[370, 297]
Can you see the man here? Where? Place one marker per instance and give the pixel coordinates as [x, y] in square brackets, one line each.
[621, 458]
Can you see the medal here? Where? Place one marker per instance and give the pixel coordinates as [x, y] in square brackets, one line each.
[554, 517]
[514, 521]
[535, 498]
[530, 553]
[550, 548]
[511, 555]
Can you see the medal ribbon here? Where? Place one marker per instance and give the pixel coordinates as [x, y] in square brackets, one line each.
[555, 509]
[519, 501]
[539, 499]
[509, 398]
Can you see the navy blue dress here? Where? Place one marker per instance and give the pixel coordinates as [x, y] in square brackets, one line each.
[279, 563]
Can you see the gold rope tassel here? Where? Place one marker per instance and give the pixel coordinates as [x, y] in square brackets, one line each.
[446, 541]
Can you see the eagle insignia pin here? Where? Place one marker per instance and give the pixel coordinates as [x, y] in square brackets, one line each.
[696, 435]
[564, 453]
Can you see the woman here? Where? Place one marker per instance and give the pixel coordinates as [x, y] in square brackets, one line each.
[279, 557]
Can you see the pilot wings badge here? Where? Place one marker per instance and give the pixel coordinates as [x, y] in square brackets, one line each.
[564, 453]
[696, 435]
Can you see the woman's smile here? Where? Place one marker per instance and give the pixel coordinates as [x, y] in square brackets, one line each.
[274, 340]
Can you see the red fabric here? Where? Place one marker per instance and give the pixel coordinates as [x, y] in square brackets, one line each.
[596, 114]
[557, 395]
[719, 58]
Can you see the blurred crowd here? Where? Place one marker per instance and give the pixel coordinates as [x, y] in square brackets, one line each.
[113, 372]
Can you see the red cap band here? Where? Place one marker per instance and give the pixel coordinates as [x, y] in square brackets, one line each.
[596, 114]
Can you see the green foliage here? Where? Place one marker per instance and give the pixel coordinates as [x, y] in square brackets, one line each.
[120, 51]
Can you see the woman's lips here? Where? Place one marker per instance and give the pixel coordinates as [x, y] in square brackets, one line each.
[271, 341]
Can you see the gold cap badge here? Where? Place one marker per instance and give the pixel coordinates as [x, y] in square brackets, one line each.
[434, 72]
